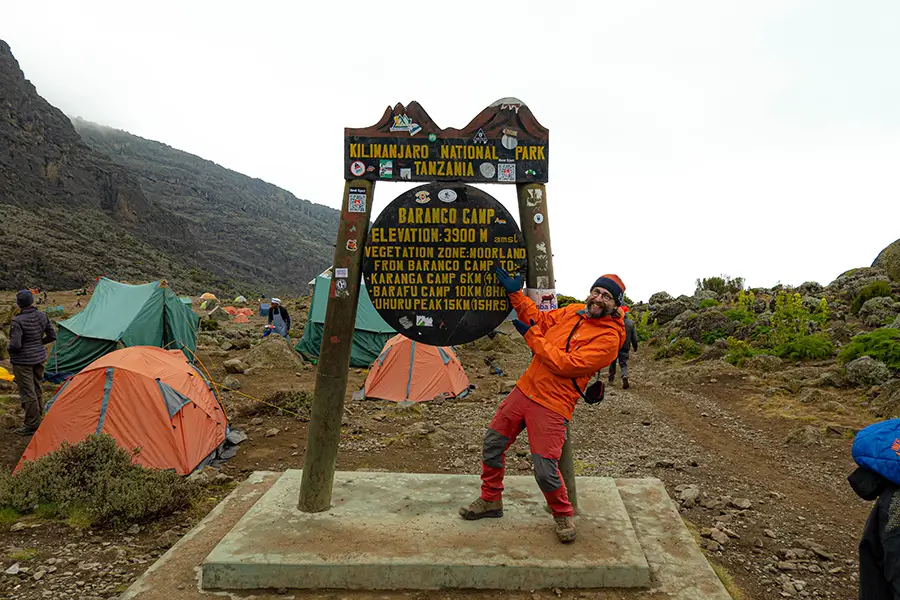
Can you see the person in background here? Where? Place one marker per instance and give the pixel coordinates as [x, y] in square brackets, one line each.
[570, 345]
[280, 319]
[631, 342]
[28, 333]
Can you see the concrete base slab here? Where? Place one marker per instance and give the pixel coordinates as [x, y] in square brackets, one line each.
[678, 568]
[402, 531]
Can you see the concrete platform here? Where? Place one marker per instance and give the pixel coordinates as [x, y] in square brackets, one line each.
[401, 531]
[678, 568]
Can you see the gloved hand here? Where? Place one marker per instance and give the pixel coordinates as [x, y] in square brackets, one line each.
[522, 327]
[509, 283]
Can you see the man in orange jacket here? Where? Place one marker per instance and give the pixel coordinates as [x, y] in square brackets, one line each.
[570, 344]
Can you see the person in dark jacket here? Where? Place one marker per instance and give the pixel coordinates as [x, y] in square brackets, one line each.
[631, 341]
[879, 549]
[28, 333]
[280, 319]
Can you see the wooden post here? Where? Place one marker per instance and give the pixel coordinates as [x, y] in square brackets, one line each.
[536, 233]
[324, 433]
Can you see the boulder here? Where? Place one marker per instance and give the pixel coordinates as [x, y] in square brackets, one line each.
[664, 313]
[706, 295]
[811, 288]
[865, 370]
[234, 365]
[877, 312]
[206, 340]
[232, 382]
[274, 352]
[708, 324]
[848, 284]
[217, 314]
[660, 298]
[886, 403]
[763, 362]
[839, 332]
[805, 436]
[240, 343]
[889, 260]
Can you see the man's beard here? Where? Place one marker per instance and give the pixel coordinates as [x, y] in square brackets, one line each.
[604, 312]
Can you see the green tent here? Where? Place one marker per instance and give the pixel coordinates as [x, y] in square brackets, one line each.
[118, 316]
[369, 337]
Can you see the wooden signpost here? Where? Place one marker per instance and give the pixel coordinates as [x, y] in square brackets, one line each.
[445, 220]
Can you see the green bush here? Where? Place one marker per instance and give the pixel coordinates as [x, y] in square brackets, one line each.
[563, 300]
[95, 483]
[708, 303]
[644, 328]
[816, 346]
[738, 351]
[876, 289]
[721, 285]
[708, 337]
[743, 317]
[882, 344]
[685, 347]
[209, 325]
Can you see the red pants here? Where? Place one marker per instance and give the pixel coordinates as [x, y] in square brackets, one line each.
[546, 435]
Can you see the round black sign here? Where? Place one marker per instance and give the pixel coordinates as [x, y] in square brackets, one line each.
[430, 259]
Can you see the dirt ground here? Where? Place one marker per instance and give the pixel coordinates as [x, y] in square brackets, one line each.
[792, 520]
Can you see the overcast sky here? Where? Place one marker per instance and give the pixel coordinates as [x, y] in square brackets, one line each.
[688, 139]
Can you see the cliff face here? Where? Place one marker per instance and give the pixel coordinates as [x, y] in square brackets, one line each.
[75, 204]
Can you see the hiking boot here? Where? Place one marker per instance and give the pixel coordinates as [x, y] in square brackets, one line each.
[624, 383]
[565, 529]
[612, 377]
[25, 431]
[481, 509]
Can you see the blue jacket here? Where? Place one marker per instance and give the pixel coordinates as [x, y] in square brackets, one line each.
[877, 448]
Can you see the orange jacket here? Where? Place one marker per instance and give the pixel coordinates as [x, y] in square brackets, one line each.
[594, 345]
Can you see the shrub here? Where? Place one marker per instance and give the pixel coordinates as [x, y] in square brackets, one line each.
[738, 351]
[708, 337]
[685, 347]
[744, 301]
[882, 344]
[708, 303]
[743, 317]
[876, 289]
[721, 285]
[815, 346]
[644, 328]
[209, 325]
[95, 483]
[563, 300]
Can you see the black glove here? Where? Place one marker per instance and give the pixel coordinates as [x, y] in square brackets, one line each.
[509, 283]
[522, 327]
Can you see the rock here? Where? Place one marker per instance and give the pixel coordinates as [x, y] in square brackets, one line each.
[206, 340]
[889, 260]
[784, 565]
[256, 421]
[805, 436]
[763, 362]
[168, 539]
[232, 382]
[719, 537]
[712, 545]
[226, 346]
[865, 370]
[769, 533]
[459, 463]
[204, 475]
[18, 527]
[895, 324]
[134, 529]
[758, 543]
[235, 437]
[877, 312]
[688, 497]
[240, 344]
[39, 574]
[665, 313]
[660, 298]
[423, 428]
[705, 295]
[705, 326]
[234, 365]
[887, 402]
[846, 287]
[664, 464]
[13, 570]
[222, 478]
[274, 352]
[787, 590]
[839, 332]
[272, 432]
[507, 386]
[741, 503]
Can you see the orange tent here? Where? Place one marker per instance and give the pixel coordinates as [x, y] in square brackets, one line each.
[240, 319]
[410, 371]
[230, 310]
[145, 397]
[247, 312]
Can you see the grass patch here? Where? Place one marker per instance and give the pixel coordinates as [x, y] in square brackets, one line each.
[728, 581]
[8, 516]
[876, 289]
[95, 483]
[26, 554]
[882, 344]
[582, 467]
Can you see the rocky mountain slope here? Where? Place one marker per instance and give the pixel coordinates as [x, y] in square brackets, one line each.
[107, 203]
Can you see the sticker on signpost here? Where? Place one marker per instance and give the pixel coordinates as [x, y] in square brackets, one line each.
[356, 200]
